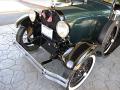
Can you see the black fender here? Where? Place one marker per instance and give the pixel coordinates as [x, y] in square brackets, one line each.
[24, 21]
[79, 52]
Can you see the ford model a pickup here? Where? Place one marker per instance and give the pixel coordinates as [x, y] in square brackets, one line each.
[73, 31]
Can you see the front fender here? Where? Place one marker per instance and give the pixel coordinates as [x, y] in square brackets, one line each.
[79, 52]
[23, 20]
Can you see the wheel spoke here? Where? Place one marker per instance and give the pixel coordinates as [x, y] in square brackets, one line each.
[28, 39]
[80, 74]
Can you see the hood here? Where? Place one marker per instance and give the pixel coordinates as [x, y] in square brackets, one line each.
[91, 9]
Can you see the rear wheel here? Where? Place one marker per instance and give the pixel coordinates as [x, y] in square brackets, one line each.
[26, 38]
[79, 76]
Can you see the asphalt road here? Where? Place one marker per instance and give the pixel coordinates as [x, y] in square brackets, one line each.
[10, 18]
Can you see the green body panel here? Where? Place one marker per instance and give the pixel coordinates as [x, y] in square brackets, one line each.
[85, 20]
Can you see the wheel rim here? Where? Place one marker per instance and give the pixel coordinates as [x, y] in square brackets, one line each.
[28, 37]
[111, 40]
[80, 75]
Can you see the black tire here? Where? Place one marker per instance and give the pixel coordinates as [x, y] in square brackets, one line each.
[109, 37]
[19, 39]
[82, 73]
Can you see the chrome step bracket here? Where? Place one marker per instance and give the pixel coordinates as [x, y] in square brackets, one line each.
[49, 75]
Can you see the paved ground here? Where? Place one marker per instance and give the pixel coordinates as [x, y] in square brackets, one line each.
[40, 3]
[17, 73]
[9, 18]
[11, 10]
[12, 6]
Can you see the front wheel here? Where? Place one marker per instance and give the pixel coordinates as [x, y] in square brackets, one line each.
[26, 38]
[79, 76]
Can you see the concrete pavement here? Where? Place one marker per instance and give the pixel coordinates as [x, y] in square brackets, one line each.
[38, 3]
[12, 6]
[17, 73]
[11, 10]
[9, 18]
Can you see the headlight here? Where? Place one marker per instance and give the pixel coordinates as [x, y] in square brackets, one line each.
[62, 29]
[32, 16]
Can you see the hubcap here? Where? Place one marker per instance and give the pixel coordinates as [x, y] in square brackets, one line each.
[28, 37]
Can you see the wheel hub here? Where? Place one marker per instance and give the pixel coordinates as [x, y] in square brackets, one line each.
[112, 40]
